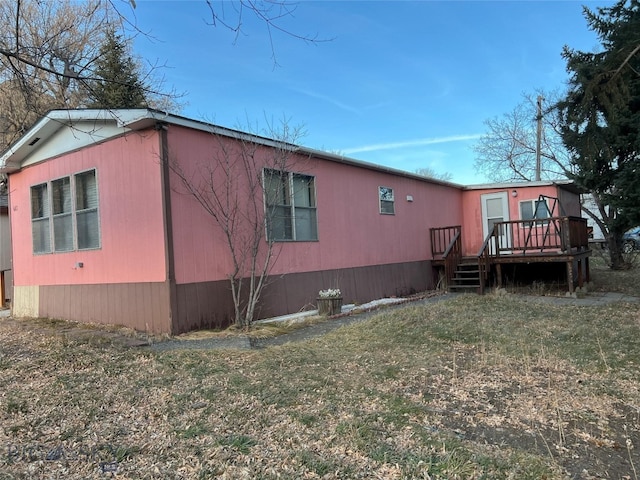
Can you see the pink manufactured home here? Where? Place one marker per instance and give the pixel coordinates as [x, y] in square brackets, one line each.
[103, 231]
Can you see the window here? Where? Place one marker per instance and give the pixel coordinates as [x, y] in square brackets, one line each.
[87, 221]
[290, 200]
[386, 201]
[534, 210]
[40, 219]
[64, 214]
[62, 220]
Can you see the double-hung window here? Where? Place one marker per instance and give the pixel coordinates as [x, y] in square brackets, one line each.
[86, 210]
[62, 219]
[64, 214]
[387, 204]
[290, 206]
[40, 218]
[534, 210]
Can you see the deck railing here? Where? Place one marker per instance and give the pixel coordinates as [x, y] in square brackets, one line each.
[452, 257]
[446, 244]
[441, 238]
[556, 234]
[484, 261]
[559, 234]
[564, 234]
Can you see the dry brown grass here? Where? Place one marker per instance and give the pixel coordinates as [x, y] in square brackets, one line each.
[476, 387]
[624, 281]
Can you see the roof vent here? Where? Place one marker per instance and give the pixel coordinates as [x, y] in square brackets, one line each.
[34, 141]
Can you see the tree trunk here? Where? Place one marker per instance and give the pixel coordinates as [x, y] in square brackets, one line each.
[616, 259]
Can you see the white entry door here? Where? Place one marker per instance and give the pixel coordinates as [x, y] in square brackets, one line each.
[495, 208]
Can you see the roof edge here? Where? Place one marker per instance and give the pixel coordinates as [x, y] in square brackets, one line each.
[562, 183]
[143, 118]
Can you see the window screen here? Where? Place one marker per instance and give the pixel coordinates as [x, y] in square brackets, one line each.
[290, 206]
[87, 221]
[534, 210]
[64, 214]
[40, 213]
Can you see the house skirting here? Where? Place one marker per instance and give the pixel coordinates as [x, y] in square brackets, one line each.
[209, 304]
[146, 306]
[141, 306]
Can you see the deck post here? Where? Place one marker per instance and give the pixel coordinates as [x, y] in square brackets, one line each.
[570, 276]
[499, 275]
[580, 281]
[565, 235]
[586, 264]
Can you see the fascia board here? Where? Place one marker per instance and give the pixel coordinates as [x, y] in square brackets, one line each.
[89, 126]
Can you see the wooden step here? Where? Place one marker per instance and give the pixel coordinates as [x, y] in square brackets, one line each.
[464, 288]
[469, 261]
[468, 272]
[466, 277]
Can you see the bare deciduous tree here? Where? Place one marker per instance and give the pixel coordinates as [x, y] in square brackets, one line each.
[40, 40]
[507, 152]
[48, 50]
[271, 13]
[48, 53]
[237, 187]
[429, 172]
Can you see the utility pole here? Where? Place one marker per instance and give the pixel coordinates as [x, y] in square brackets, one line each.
[538, 137]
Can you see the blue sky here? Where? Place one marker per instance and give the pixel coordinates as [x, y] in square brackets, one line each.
[403, 84]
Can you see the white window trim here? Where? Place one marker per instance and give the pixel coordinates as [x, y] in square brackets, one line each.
[534, 222]
[392, 201]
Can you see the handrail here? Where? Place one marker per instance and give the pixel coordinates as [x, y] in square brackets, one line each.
[451, 245]
[441, 238]
[446, 243]
[484, 259]
[485, 245]
[452, 256]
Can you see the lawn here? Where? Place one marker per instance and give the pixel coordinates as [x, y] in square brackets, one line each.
[473, 387]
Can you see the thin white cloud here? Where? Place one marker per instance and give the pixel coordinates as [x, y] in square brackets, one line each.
[327, 99]
[411, 143]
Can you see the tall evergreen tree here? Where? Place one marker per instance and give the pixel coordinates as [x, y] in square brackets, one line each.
[601, 119]
[117, 82]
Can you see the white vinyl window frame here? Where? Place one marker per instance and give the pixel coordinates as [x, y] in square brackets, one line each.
[290, 206]
[386, 201]
[65, 214]
[535, 211]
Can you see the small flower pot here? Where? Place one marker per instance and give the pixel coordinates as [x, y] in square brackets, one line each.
[329, 306]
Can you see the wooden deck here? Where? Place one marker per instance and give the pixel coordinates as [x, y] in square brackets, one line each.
[552, 240]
